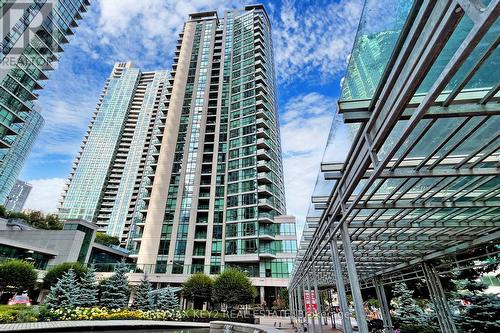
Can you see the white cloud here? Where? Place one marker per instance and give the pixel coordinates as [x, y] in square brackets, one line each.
[305, 126]
[45, 194]
[314, 39]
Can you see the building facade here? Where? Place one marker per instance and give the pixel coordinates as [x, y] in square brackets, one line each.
[113, 164]
[18, 196]
[31, 34]
[202, 155]
[218, 181]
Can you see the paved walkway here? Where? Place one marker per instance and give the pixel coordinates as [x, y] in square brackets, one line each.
[284, 324]
[80, 325]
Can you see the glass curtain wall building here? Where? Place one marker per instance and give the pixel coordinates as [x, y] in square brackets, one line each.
[114, 165]
[32, 35]
[218, 184]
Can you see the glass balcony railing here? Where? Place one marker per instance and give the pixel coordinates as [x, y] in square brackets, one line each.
[187, 270]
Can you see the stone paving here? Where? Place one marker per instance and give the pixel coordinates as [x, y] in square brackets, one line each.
[284, 324]
[73, 326]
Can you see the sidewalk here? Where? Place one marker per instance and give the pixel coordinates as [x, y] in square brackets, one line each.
[284, 324]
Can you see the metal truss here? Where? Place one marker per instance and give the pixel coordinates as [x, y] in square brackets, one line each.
[421, 180]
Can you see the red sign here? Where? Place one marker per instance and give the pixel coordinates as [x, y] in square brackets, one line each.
[314, 305]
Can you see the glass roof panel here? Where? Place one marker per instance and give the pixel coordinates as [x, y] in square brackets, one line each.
[446, 54]
[375, 40]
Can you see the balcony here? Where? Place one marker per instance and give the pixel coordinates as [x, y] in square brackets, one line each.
[266, 218]
[266, 204]
[263, 143]
[262, 123]
[263, 154]
[267, 252]
[263, 166]
[264, 178]
[263, 133]
[265, 190]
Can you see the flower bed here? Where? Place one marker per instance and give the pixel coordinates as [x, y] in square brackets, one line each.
[19, 314]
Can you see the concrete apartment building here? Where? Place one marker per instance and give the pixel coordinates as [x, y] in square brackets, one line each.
[32, 34]
[206, 191]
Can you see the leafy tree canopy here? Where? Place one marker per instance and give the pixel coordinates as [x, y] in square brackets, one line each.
[105, 239]
[17, 275]
[198, 288]
[233, 287]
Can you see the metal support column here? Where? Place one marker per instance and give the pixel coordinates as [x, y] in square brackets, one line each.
[339, 281]
[303, 291]
[311, 309]
[384, 306]
[291, 306]
[438, 298]
[353, 279]
[318, 300]
[299, 305]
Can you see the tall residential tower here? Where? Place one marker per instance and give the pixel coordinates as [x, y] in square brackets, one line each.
[31, 37]
[206, 191]
[112, 168]
[218, 184]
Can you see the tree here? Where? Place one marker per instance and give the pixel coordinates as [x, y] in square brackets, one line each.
[407, 310]
[17, 275]
[115, 291]
[479, 312]
[233, 287]
[166, 299]
[198, 289]
[65, 293]
[104, 239]
[56, 272]
[88, 288]
[143, 299]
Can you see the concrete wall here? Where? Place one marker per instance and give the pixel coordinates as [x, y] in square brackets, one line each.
[65, 244]
[230, 327]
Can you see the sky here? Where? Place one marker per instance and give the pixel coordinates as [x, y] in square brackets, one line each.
[312, 41]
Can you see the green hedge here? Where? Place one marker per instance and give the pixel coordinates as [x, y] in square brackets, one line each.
[18, 314]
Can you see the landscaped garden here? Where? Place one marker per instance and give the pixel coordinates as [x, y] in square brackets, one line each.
[75, 294]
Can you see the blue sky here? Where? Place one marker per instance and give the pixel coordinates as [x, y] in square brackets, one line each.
[312, 41]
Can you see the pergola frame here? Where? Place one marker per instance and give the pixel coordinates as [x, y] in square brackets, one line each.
[389, 212]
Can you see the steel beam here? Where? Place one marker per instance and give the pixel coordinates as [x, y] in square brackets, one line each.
[353, 279]
[439, 299]
[384, 306]
[432, 204]
[409, 172]
[318, 301]
[311, 309]
[339, 282]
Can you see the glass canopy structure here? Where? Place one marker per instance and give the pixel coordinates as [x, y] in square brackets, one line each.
[420, 112]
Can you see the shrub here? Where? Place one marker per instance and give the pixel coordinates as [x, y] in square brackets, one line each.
[198, 288]
[17, 275]
[105, 239]
[56, 272]
[18, 314]
[233, 287]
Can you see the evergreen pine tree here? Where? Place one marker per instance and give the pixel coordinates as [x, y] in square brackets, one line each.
[406, 308]
[88, 288]
[479, 311]
[143, 299]
[115, 291]
[65, 293]
[166, 299]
